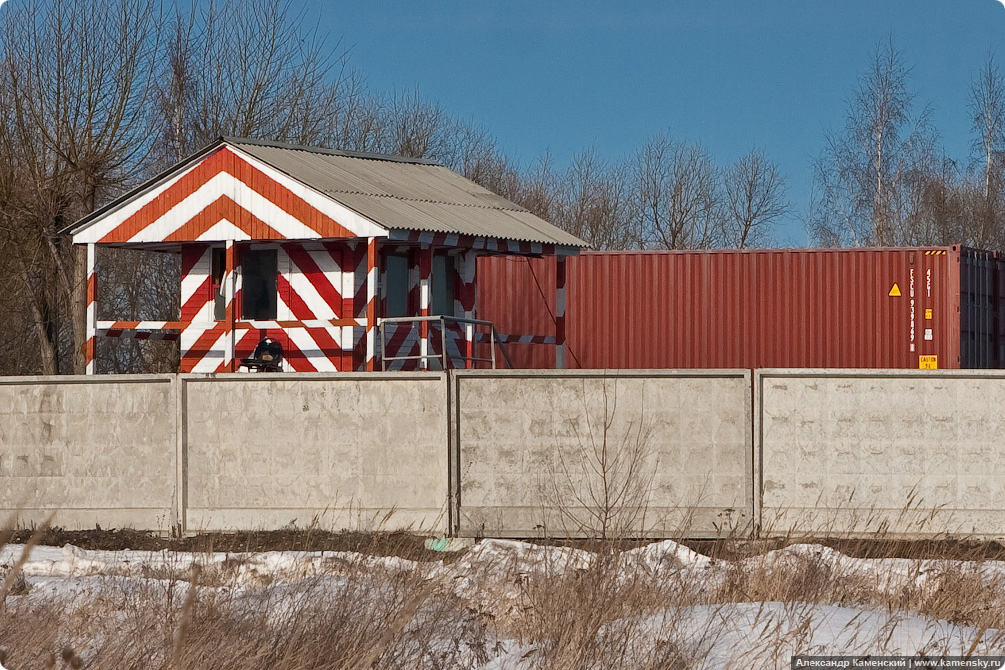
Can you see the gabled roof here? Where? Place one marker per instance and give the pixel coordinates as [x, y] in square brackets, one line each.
[334, 194]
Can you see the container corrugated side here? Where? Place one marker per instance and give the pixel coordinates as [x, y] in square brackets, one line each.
[868, 308]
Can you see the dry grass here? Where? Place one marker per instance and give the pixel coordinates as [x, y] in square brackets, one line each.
[611, 614]
[355, 617]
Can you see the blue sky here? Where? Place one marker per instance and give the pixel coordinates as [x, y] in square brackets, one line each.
[559, 76]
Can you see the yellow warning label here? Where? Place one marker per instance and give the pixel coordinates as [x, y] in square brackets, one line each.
[928, 314]
[895, 291]
[928, 362]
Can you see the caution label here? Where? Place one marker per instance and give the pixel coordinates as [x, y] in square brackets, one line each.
[928, 314]
[895, 291]
[928, 362]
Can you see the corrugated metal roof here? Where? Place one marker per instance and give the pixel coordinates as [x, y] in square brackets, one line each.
[407, 194]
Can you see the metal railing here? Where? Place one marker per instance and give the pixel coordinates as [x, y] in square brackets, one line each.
[443, 357]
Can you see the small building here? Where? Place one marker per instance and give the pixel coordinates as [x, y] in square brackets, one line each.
[352, 261]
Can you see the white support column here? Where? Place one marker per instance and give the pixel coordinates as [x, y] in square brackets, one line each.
[230, 284]
[346, 340]
[425, 274]
[371, 304]
[465, 298]
[91, 314]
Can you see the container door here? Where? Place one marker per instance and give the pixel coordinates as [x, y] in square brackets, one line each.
[980, 309]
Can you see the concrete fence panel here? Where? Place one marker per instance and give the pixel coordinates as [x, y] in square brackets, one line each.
[97, 450]
[351, 451]
[909, 453]
[562, 453]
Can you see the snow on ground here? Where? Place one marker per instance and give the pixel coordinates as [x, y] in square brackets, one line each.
[727, 635]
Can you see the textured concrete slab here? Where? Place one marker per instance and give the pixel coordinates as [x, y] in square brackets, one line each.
[97, 450]
[909, 453]
[345, 451]
[639, 453]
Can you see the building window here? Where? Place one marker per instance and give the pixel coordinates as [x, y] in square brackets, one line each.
[259, 271]
[395, 285]
[444, 279]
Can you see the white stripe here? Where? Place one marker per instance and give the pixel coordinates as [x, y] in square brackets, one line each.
[223, 230]
[191, 282]
[309, 348]
[141, 325]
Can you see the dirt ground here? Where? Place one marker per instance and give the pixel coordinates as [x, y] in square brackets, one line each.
[412, 546]
[402, 544]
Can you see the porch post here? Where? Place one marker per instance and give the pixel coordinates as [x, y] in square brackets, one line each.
[91, 313]
[560, 313]
[230, 284]
[371, 304]
[350, 264]
[425, 270]
[466, 295]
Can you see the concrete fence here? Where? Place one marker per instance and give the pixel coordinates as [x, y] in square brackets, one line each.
[650, 453]
[512, 453]
[909, 453]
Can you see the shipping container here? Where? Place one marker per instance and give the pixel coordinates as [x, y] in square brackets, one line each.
[932, 307]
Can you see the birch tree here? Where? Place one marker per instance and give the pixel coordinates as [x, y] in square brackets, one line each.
[987, 109]
[864, 170]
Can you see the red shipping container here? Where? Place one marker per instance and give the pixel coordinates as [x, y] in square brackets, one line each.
[768, 308]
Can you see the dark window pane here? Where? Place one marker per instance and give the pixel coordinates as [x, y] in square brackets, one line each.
[396, 285]
[443, 285]
[219, 290]
[259, 268]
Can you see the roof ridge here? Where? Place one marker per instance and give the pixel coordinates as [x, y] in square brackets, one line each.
[329, 152]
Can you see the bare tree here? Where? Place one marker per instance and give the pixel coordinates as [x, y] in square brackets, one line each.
[76, 81]
[601, 487]
[865, 167]
[675, 197]
[594, 202]
[754, 198]
[987, 108]
[249, 69]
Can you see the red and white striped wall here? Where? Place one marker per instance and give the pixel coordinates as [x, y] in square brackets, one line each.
[310, 286]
